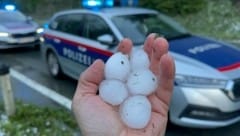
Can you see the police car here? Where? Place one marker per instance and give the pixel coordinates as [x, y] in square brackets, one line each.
[17, 30]
[207, 83]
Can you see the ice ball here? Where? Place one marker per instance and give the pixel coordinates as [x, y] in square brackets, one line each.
[117, 67]
[139, 59]
[135, 112]
[113, 92]
[142, 82]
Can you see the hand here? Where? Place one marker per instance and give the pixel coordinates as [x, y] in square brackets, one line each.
[96, 118]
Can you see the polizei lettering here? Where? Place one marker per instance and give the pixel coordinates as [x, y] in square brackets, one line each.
[203, 48]
[77, 56]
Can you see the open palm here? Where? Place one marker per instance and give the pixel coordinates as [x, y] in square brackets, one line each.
[96, 118]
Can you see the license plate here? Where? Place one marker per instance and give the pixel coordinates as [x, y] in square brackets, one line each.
[26, 40]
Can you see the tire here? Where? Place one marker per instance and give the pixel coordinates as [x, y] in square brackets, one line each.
[53, 65]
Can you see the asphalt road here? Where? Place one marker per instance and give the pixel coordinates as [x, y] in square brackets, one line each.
[28, 61]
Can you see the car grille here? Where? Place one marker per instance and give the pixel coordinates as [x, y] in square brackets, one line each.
[24, 35]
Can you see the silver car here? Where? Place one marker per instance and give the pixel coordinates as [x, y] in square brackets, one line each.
[18, 30]
[207, 83]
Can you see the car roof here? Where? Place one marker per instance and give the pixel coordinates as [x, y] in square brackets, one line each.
[116, 11]
[126, 10]
[4, 11]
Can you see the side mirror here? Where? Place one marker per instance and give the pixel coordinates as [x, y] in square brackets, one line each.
[105, 39]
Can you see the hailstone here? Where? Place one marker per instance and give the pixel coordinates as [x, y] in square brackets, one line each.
[117, 67]
[113, 92]
[142, 82]
[135, 112]
[139, 59]
[127, 83]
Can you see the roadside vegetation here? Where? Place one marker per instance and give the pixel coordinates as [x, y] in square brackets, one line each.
[32, 120]
[219, 19]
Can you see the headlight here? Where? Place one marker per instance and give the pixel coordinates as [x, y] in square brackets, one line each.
[39, 30]
[4, 34]
[193, 81]
[42, 39]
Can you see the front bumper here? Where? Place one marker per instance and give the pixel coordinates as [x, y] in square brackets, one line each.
[7, 45]
[203, 108]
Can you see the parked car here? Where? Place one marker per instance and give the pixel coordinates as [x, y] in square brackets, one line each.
[17, 29]
[207, 83]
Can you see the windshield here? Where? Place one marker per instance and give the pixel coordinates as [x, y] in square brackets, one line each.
[137, 27]
[12, 16]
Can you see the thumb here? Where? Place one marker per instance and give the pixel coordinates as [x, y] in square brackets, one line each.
[90, 79]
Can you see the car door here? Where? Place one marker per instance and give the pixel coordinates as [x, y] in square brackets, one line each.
[89, 47]
[75, 41]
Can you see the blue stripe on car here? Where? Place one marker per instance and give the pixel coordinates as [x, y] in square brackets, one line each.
[210, 52]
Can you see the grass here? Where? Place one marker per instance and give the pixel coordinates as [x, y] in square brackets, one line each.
[31, 120]
[219, 19]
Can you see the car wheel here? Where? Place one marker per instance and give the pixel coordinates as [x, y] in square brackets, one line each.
[53, 65]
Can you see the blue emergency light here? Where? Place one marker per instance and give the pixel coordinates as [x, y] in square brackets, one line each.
[92, 3]
[10, 7]
[97, 4]
[108, 3]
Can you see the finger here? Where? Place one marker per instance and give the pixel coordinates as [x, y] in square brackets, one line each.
[90, 79]
[148, 44]
[125, 46]
[166, 79]
[160, 99]
[158, 105]
[160, 47]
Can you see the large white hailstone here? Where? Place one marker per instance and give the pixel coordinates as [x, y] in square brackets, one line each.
[113, 92]
[142, 82]
[135, 112]
[117, 67]
[139, 59]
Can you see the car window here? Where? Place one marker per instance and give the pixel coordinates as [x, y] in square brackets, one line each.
[138, 26]
[95, 27]
[75, 24]
[59, 23]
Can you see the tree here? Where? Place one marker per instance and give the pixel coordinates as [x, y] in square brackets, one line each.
[174, 6]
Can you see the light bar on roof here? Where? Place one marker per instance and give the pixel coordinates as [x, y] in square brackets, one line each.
[108, 3]
[94, 4]
[10, 7]
[91, 3]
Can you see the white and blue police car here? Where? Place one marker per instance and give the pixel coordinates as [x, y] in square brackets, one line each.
[207, 82]
[17, 30]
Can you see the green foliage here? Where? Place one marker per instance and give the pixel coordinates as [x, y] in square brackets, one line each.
[174, 7]
[40, 121]
[28, 5]
[219, 19]
[45, 8]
